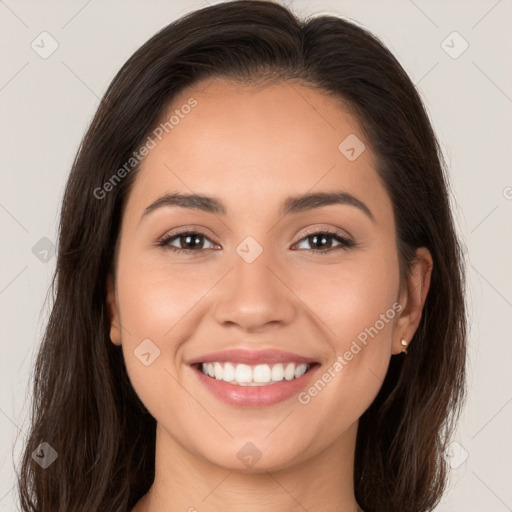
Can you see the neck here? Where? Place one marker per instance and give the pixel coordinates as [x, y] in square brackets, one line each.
[186, 482]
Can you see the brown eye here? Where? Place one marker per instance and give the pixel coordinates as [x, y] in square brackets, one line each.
[188, 241]
[324, 240]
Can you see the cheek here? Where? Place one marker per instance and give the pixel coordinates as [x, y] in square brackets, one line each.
[162, 303]
[357, 301]
[352, 296]
[152, 304]
[157, 300]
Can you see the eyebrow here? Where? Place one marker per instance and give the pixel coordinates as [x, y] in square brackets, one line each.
[294, 204]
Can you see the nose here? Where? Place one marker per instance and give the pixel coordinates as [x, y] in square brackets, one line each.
[255, 294]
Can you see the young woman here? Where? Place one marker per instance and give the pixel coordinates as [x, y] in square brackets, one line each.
[259, 295]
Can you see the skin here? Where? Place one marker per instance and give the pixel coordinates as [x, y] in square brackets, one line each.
[252, 147]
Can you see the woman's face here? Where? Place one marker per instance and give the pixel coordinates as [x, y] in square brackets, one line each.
[249, 282]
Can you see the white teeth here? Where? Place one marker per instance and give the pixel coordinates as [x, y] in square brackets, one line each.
[277, 373]
[259, 375]
[289, 372]
[217, 370]
[262, 373]
[300, 370]
[228, 373]
[243, 374]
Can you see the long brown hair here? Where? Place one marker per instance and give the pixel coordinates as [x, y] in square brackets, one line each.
[84, 405]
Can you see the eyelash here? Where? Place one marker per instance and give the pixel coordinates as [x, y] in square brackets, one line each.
[345, 243]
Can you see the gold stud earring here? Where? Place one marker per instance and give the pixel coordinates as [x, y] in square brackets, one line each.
[404, 344]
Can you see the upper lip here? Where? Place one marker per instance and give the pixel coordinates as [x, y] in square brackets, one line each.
[246, 356]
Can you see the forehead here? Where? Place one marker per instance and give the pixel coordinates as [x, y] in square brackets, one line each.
[250, 144]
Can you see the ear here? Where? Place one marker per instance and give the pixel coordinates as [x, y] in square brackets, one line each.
[115, 330]
[412, 298]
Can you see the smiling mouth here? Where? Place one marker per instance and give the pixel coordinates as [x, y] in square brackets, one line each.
[239, 374]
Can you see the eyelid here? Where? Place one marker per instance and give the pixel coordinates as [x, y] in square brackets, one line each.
[186, 229]
[324, 229]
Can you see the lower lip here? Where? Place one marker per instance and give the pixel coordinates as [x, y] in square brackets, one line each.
[255, 396]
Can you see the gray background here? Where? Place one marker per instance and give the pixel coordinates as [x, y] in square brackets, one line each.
[47, 103]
